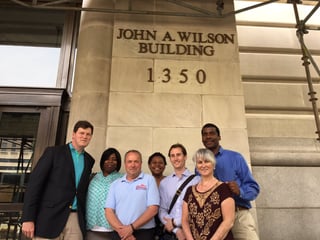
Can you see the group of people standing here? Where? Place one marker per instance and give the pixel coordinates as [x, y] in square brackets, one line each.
[64, 201]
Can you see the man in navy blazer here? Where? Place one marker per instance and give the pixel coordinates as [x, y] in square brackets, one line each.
[54, 203]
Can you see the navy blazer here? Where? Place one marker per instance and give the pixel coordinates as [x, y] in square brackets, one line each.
[51, 190]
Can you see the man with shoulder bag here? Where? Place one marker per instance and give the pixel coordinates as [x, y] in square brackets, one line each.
[172, 189]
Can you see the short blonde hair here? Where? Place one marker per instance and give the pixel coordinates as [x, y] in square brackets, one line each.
[206, 154]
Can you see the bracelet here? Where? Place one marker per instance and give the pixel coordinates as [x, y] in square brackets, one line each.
[132, 227]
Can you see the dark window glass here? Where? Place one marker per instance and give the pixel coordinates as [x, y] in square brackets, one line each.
[18, 133]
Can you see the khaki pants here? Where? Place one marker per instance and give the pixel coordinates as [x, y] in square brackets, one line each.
[71, 231]
[244, 227]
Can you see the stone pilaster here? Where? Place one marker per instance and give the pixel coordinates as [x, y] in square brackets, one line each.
[90, 99]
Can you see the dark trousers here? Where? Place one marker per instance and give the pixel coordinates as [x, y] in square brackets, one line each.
[94, 235]
[140, 234]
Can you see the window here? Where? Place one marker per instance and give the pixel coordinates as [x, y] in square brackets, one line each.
[37, 47]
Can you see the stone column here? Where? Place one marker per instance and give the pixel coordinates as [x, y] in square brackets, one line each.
[92, 73]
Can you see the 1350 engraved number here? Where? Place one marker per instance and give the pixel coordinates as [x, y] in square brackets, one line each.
[200, 76]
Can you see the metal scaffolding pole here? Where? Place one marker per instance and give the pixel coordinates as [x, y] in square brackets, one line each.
[306, 56]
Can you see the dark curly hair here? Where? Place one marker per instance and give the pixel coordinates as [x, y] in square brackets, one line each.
[157, 154]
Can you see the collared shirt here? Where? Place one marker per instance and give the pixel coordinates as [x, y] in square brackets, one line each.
[231, 166]
[130, 199]
[168, 187]
[78, 163]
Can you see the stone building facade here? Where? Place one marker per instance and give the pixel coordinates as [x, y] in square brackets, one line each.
[142, 93]
[149, 74]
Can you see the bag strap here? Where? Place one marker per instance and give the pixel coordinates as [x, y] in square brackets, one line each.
[178, 192]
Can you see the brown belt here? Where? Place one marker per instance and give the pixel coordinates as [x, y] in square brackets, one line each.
[239, 208]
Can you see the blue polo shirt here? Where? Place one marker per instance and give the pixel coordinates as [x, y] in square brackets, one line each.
[129, 199]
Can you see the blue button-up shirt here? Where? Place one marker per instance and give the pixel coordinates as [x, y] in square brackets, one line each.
[231, 166]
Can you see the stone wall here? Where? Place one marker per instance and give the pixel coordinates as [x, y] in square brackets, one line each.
[151, 99]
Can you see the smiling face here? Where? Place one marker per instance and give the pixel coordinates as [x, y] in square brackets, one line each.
[157, 166]
[177, 158]
[211, 139]
[133, 163]
[110, 164]
[205, 167]
[81, 138]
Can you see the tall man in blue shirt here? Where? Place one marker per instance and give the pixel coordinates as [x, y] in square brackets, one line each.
[232, 168]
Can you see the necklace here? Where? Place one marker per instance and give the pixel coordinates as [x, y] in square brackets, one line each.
[205, 187]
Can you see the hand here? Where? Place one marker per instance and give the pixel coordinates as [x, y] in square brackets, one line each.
[131, 237]
[233, 185]
[28, 229]
[125, 231]
[168, 226]
[180, 234]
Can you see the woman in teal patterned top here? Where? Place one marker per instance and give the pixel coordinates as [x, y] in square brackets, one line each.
[97, 225]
